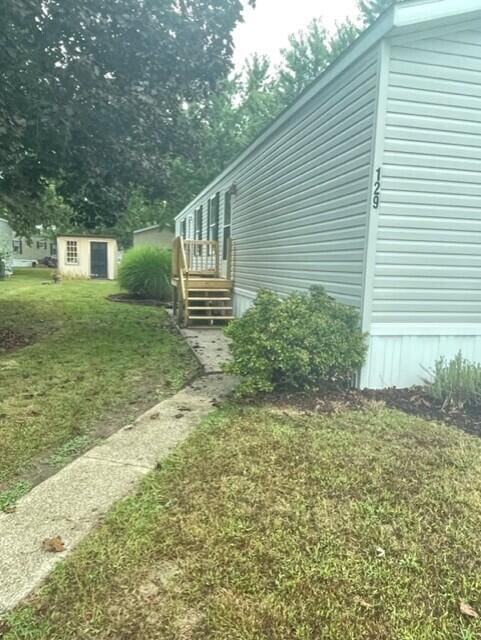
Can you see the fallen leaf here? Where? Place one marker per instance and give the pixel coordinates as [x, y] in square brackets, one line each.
[10, 509]
[364, 603]
[53, 545]
[467, 610]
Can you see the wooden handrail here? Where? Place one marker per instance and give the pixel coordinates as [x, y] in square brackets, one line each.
[200, 257]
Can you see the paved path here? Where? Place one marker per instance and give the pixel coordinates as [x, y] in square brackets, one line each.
[210, 346]
[71, 503]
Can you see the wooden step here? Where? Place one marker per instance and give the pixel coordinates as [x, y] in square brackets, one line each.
[210, 299]
[211, 318]
[216, 308]
[217, 288]
[213, 310]
[210, 283]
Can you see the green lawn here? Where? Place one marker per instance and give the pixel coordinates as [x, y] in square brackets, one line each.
[91, 365]
[270, 523]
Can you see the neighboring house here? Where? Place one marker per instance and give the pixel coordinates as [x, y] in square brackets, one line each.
[6, 238]
[370, 185]
[87, 256]
[30, 251]
[155, 236]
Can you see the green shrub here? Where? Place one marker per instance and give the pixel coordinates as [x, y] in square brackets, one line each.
[456, 383]
[145, 271]
[299, 342]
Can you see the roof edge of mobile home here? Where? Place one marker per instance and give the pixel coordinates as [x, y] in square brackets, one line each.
[397, 17]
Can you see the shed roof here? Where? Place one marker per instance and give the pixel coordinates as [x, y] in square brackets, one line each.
[399, 18]
[85, 235]
[154, 226]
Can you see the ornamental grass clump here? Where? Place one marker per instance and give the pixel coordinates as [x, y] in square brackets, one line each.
[300, 342]
[145, 272]
[456, 383]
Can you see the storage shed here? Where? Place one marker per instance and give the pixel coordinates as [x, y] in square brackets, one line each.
[155, 236]
[87, 256]
[370, 185]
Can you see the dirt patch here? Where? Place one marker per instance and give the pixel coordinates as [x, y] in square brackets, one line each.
[10, 339]
[133, 299]
[328, 401]
[416, 401]
[413, 400]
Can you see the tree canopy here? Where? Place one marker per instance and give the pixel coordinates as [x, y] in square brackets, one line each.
[92, 96]
[124, 110]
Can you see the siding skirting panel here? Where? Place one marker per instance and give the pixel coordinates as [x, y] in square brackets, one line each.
[402, 360]
[242, 300]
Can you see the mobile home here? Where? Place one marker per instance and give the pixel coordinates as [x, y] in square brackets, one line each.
[370, 185]
[30, 251]
[6, 239]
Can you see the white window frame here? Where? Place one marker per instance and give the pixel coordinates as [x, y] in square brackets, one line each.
[71, 252]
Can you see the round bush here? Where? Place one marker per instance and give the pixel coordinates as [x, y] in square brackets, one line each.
[300, 342]
[145, 272]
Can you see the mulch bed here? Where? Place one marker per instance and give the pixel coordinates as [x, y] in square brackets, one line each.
[133, 299]
[10, 339]
[413, 400]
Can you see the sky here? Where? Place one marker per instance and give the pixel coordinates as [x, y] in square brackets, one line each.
[266, 28]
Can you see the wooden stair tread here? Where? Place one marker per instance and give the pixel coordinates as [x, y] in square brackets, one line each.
[207, 290]
[210, 299]
[204, 318]
[209, 308]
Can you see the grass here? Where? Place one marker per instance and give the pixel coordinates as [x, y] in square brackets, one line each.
[91, 365]
[275, 524]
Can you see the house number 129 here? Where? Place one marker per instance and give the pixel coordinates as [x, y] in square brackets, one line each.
[377, 189]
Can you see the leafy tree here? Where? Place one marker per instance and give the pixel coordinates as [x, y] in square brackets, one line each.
[372, 9]
[310, 52]
[221, 127]
[92, 95]
[140, 213]
[303, 60]
[344, 36]
[230, 119]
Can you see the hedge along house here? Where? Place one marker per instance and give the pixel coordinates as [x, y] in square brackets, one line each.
[87, 256]
[370, 185]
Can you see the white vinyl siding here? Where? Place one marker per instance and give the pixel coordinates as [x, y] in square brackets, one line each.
[428, 261]
[299, 213]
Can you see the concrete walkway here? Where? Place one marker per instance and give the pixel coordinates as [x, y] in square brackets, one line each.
[210, 346]
[71, 503]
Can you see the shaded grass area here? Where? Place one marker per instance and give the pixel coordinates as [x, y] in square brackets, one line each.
[91, 366]
[270, 523]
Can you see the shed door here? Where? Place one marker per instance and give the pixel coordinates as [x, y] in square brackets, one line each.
[98, 260]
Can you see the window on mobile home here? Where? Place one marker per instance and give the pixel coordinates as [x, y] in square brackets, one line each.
[213, 217]
[198, 220]
[227, 223]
